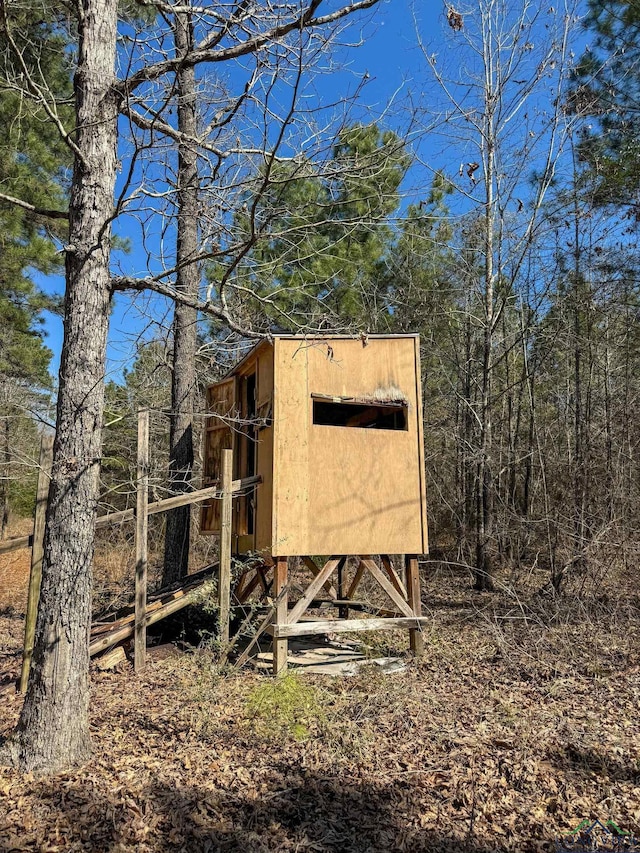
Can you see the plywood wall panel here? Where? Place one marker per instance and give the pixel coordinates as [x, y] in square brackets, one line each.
[341, 490]
[291, 448]
[218, 436]
[264, 452]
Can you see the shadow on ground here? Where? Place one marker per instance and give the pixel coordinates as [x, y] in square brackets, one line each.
[588, 762]
[314, 813]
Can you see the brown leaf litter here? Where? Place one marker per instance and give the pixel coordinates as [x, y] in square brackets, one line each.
[503, 738]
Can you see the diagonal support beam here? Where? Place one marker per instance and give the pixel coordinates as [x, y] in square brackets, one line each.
[248, 587]
[356, 579]
[238, 592]
[316, 584]
[266, 585]
[330, 589]
[394, 577]
[388, 587]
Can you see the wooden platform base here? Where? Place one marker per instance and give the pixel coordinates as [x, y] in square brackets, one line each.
[331, 626]
[285, 621]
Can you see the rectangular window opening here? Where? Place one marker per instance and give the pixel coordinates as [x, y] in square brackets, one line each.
[360, 415]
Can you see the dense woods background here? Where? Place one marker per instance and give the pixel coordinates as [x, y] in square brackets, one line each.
[519, 271]
[492, 207]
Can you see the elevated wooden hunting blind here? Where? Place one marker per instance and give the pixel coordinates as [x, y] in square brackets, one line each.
[333, 427]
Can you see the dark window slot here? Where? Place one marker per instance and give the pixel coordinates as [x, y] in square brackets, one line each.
[359, 415]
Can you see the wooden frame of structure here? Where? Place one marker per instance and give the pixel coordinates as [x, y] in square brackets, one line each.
[146, 610]
[332, 426]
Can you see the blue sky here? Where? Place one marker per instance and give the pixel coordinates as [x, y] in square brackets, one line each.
[390, 56]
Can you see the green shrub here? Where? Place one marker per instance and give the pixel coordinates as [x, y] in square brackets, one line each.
[285, 707]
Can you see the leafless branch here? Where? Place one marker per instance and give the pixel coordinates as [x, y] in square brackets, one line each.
[32, 208]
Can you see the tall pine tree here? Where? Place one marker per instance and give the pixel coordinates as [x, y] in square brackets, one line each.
[33, 162]
[607, 91]
[323, 234]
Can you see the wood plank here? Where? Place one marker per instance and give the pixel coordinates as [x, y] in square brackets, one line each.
[416, 640]
[105, 641]
[177, 604]
[105, 627]
[280, 646]
[111, 639]
[264, 583]
[356, 580]
[165, 504]
[394, 577]
[362, 401]
[37, 553]
[239, 587]
[141, 541]
[365, 606]
[224, 575]
[388, 587]
[248, 580]
[185, 583]
[16, 544]
[264, 452]
[158, 599]
[313, 568]
[181, 586]
[251, 586]
[111, 659]
[329, 626]
[316, 584]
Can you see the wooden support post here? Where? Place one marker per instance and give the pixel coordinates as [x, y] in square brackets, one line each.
[343, 609]
[37, 550]
[412, 577]
[141, 537]
[280, 646]
[224, 579]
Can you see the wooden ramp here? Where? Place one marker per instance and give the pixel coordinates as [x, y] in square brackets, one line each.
[109, 632]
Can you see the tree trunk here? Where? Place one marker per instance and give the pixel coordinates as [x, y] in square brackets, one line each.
[4, 478]
[484, 484]
[53, 730]
[183, 386]
[580, 425]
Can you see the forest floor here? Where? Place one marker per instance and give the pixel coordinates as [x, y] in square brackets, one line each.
[521, 720]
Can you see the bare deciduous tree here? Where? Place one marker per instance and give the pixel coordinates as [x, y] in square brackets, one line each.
[502, 112]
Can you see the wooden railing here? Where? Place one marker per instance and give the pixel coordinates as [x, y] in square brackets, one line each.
[137, 624]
